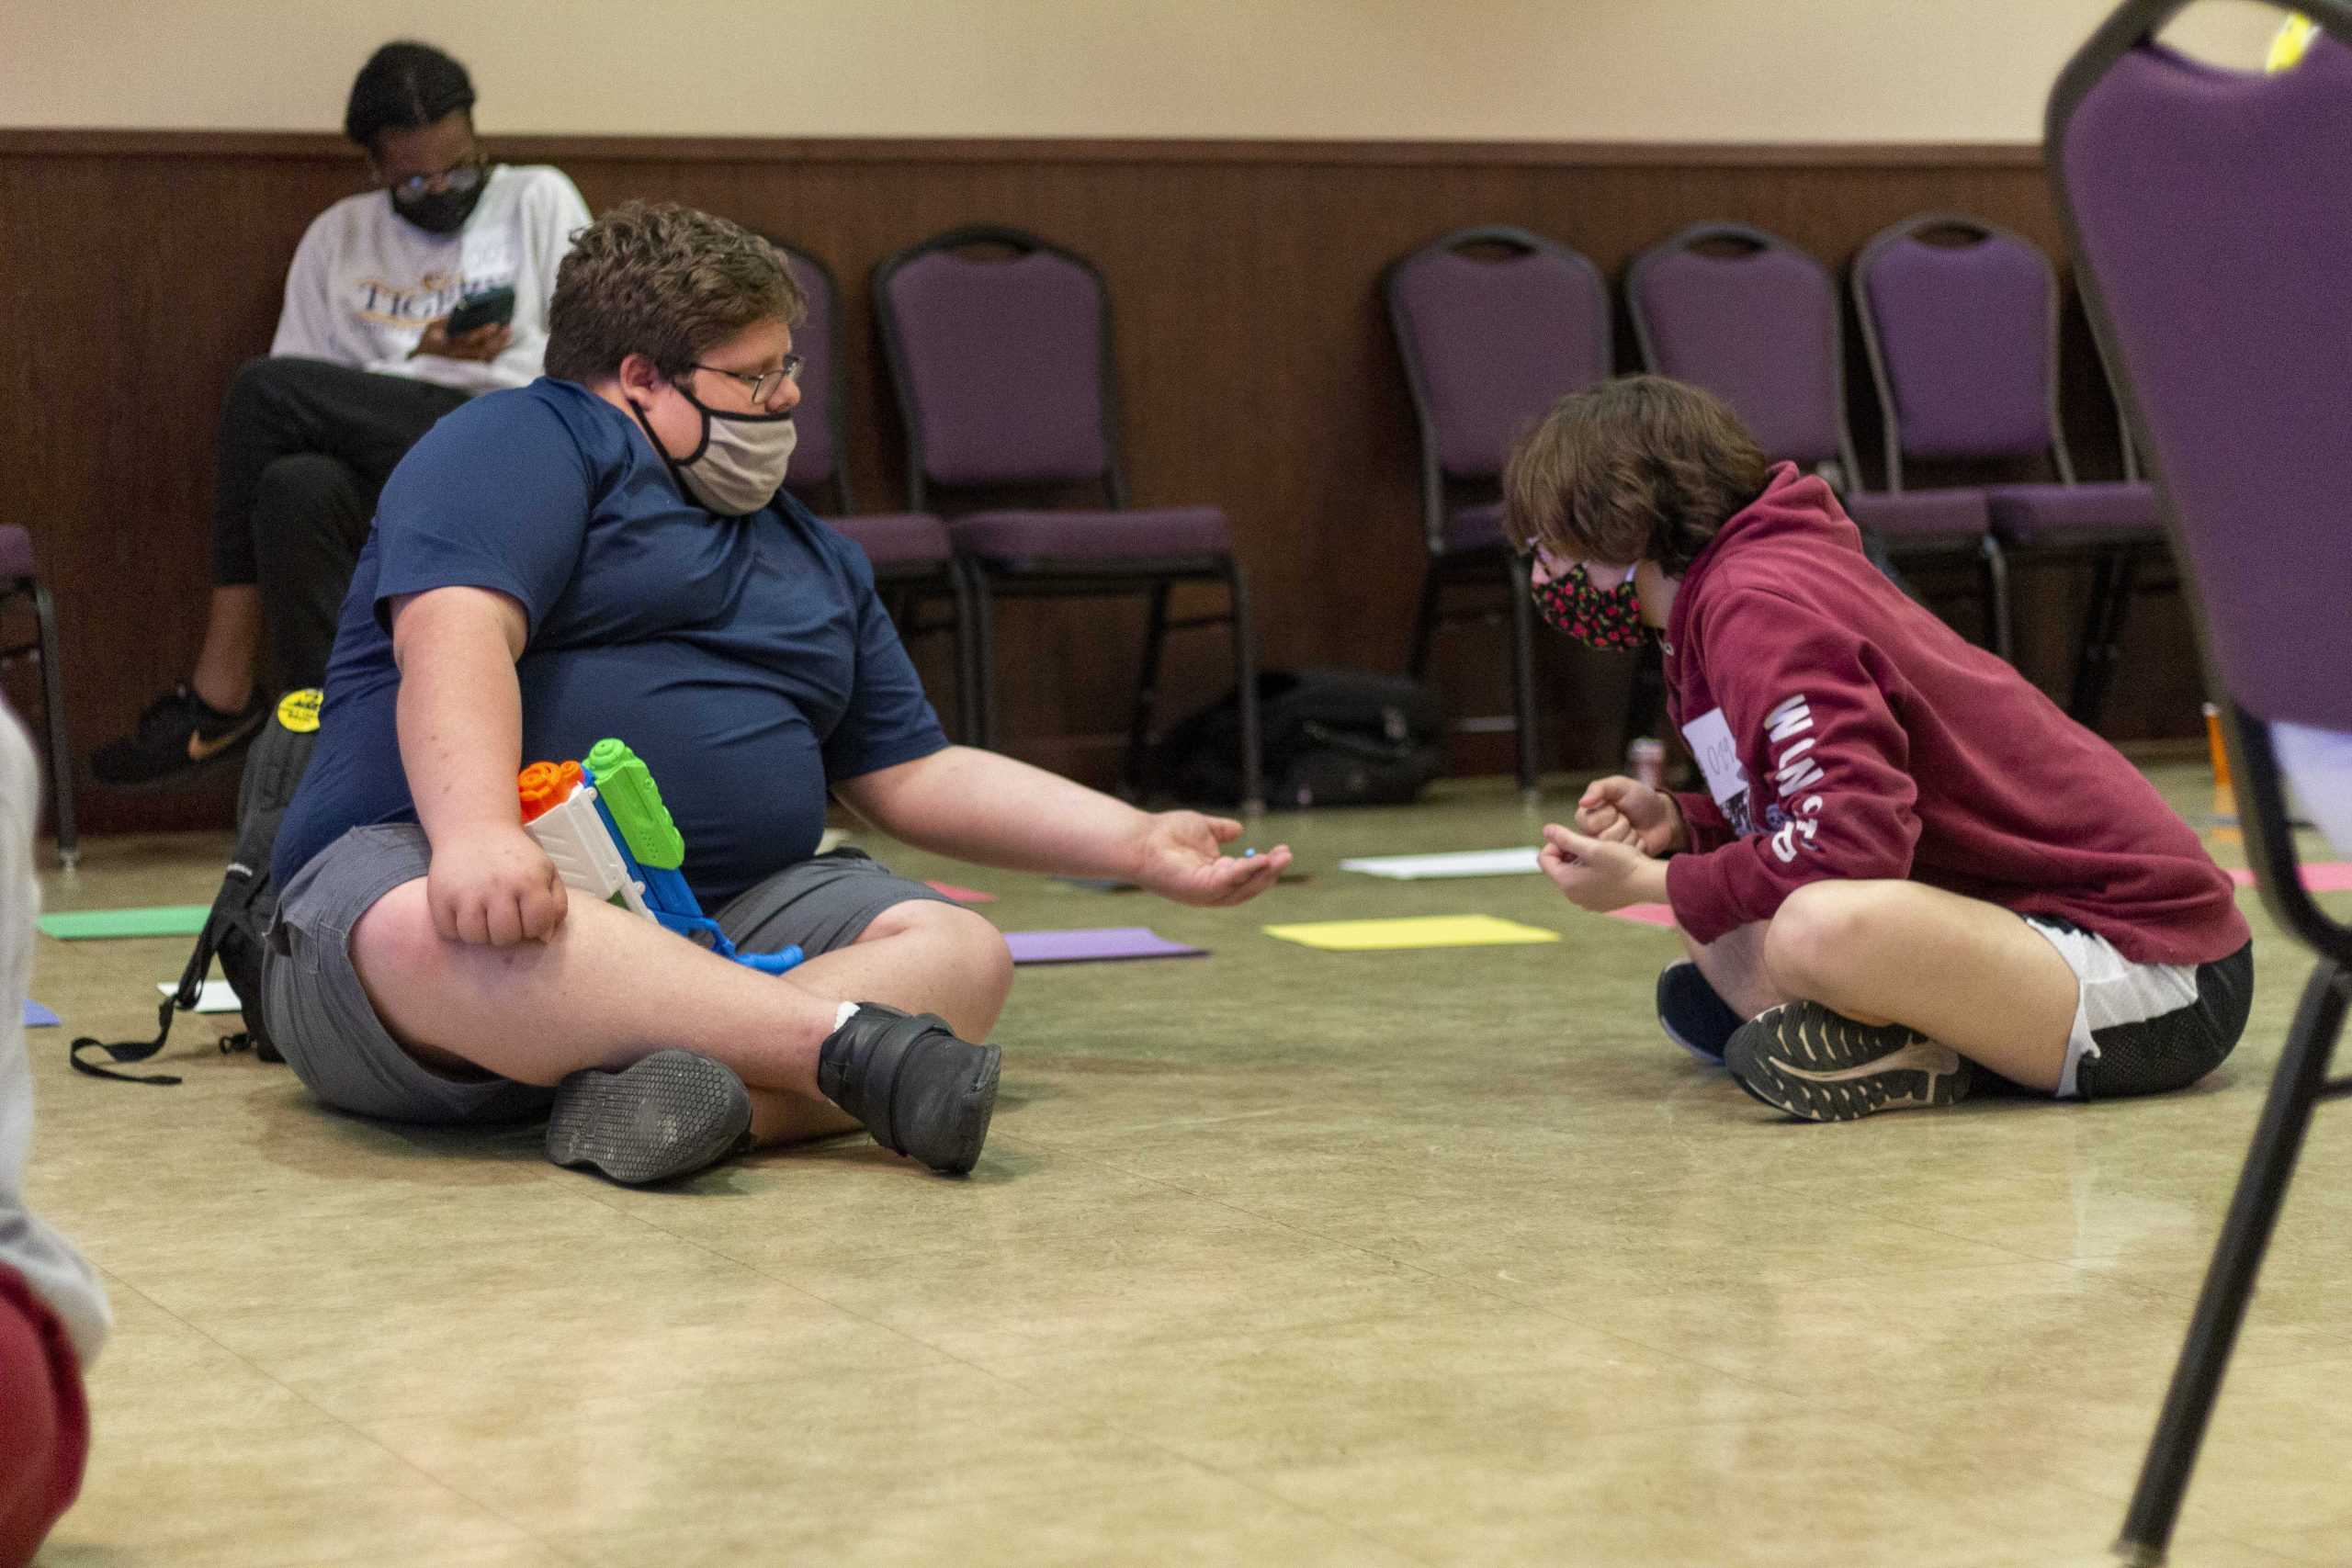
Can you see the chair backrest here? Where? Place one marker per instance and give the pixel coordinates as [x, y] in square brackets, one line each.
[1000, 348]
[1494, 325]
[1961, 321]
[2212, 219]
[1755, 320]
[818, 474]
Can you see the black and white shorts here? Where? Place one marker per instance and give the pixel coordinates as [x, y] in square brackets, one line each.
[2145, 1028]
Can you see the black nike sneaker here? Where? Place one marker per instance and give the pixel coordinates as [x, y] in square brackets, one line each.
[179, 737]
[1823, 1067]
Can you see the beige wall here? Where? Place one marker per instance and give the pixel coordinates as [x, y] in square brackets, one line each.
[1601, 70]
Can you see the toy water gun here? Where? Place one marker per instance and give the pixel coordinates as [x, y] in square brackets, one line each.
[603, 823]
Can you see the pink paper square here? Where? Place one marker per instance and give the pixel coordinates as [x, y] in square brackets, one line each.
[1645, 914]
[961, 894]
[2324, 876]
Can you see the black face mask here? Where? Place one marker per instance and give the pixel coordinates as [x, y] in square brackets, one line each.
[441, 211]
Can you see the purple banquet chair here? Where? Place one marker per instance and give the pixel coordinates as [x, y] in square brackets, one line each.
[914, 562]
[1960, 322]
[19, 579]
[1494, 325]
[2210, 214]
[1000, 348]
[1754, 319]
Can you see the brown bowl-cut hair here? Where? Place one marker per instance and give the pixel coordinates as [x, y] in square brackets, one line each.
[665, 281]
[1640, 467]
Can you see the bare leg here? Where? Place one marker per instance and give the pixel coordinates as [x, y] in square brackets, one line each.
[1734, 966]
[919, 957]
[612, 987]
[225, 666]
[1967, 974]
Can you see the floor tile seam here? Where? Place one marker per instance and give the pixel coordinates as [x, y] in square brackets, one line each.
[2012, 1254]
[453, 1489]
[235, 1355]
[1112, 1491]
[1796, 1410]
[2118, 1497]
[1295, 1229]
[1165, 1340]
[1679, 1358]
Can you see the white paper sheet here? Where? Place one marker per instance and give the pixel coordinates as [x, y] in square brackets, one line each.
[217, 996]
[1461, 863]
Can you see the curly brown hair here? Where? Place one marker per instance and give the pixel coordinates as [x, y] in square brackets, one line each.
[1636, 469]
[665, 281]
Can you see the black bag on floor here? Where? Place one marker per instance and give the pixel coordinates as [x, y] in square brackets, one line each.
[1331, 738]
[247, 903]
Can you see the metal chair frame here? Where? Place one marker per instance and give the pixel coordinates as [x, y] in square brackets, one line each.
[2302, 1080]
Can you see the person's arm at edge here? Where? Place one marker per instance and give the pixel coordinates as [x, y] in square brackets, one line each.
[461, 724]
[981, 807]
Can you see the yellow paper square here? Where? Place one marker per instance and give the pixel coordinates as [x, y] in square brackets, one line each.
[1412, 930]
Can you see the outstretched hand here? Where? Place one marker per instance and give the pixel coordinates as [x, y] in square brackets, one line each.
[1181, 857]
[1597, 874]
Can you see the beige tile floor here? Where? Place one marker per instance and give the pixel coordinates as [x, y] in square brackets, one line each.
[1275, 1257]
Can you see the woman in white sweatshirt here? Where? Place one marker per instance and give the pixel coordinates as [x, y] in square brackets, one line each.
[371, 349]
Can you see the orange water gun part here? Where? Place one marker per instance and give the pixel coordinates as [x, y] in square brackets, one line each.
[543, 786]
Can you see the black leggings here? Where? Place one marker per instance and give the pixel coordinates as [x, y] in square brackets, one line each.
[305, 448]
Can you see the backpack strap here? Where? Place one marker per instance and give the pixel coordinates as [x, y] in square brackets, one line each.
[236, 891]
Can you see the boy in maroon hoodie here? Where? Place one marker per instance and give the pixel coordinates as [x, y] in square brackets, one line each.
[1908, 867]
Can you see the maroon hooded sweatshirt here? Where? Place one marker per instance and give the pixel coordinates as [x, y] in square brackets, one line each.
[1844, 731]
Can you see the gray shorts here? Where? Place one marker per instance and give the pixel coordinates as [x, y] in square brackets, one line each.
[320, 1018]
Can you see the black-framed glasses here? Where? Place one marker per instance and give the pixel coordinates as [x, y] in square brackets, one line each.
[461, 179]
[764, 384]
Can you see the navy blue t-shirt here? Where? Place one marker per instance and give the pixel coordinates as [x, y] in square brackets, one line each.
[747, 660]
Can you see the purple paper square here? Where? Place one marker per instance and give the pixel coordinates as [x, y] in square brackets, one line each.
[1095, 944]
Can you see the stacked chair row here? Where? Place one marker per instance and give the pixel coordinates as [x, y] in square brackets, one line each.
[1961, 321]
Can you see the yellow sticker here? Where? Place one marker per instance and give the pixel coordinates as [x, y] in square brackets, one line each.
[299, 710]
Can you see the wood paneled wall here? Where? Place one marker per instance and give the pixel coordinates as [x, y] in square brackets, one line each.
[137, 269]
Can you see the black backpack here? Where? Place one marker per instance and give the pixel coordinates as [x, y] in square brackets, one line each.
[1330, 737]
[247, 902]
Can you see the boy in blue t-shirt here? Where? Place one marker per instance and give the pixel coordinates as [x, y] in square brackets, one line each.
[605, 552]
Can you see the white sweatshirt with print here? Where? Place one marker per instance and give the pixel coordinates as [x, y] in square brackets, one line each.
[366, 282]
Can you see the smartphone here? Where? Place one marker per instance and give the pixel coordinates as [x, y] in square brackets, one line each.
[490, 308]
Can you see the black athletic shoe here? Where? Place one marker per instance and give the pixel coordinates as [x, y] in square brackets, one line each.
[1823, 1067]
[179, 736]
[669, 1115]
[1693, 1015]
[920, 1090]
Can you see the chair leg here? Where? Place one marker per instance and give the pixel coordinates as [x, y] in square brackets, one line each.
[60, 750]
[1997, 612]
[1245, 677]
[1523, 675]
[983, 655]
[2295, 1088]
[2111, 650]
[968, 701]
[1417, 653]
[2092, 644]
[1155, 637]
